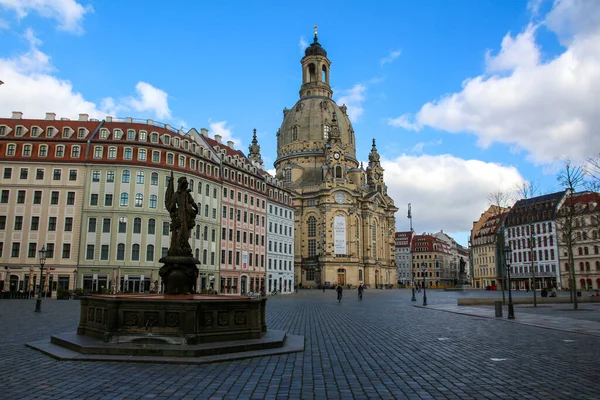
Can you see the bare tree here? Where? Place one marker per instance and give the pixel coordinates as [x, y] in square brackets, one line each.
[592, 172]
[500, 202]
[571, 177]
[527, 190]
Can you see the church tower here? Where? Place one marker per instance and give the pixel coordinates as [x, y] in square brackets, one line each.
[344, 227]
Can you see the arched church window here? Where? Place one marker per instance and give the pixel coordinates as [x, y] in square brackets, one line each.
[312, 73]
[294, 133]
[326, 131]
[288, 175]
[312, 226]
[324, 74]
[360, 275]
[374, 237]
[338, 172]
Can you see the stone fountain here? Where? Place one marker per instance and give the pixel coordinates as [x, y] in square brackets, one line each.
[177, 326]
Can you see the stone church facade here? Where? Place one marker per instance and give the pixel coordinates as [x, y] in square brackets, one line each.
[344, 218]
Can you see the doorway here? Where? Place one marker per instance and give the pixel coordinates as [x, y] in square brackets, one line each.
[244, 284]
[341, 277]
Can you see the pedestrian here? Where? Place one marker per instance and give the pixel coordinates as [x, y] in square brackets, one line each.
[323, 288]
[339, 290]
[361, 289]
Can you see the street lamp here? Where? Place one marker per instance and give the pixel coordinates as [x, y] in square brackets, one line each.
[424, 269]
[507, 260]
[38, 302]
[74, 279]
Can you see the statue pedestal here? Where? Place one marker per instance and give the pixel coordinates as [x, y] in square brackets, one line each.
[179, 274]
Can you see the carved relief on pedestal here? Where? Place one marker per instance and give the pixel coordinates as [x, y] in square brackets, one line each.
[172, 319]
[223, 318]
[130, 318]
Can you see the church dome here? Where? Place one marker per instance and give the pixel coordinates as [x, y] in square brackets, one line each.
[307, 125]
[315, 49]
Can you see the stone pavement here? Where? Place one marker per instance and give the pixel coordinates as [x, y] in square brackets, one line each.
[382, 347]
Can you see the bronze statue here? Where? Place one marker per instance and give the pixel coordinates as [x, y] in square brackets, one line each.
[179, 272]
[183, 210]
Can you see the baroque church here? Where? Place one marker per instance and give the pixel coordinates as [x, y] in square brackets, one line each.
[344, 218]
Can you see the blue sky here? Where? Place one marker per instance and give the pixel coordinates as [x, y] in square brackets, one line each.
[465, 98]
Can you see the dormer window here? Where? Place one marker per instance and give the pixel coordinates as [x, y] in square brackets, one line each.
[3, 130]
[75, 151]
[19, 131]
[167, 140]
[176, 142]
[130, 134]
[26, 150]
[112, 153]
[81, 133]
[43, 150]
[11, 149]
[60, 151]
[186, 144]
[50, 131]
[98, 152]
[103, 133]
[154, 137]
[117, 134]
[143, 136]
[128, 153]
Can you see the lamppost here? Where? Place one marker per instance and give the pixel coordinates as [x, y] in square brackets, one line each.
[507, 260]
[424, 269]
[410, 261]
[38, 302]
[74, 279]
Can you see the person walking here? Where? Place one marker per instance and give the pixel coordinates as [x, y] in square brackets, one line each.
[361, 289]
[339, 290]
[323, 288]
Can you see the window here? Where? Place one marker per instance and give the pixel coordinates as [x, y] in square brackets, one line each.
[156, 156]
[35, 223]
[142, 136]
[94, 199]
[326, 131]
[110, 176]
[112, 153]
[68, 224]
[124, 199]
[182, 161]
[150, 252]
[170, 158]
[154, 179]
[151, 226]
[106, 225]
[128, 154]
[39, 174]
[165, 228]
[4, 196]
[153, 201]
[56, 174]
[75, 151]
[72, 174]
[18, 222]
[24, 173]
[21, 197]
[135, 252]
[31, 253]
[16, 249]
[66, 250]
[89, 252]
[98, 152]
[54, 197]
[43, 151]
[70, 198]
[120, 252]
[137, 225]
[108, 200]
[154, 137]
[27, 150]
[139, 200]
[49, 250]
[92, 225]
[122, 225]
[125, 176]
[139, 177]
[103, 133]
[130, 134]
[11, 149]
[52, 224]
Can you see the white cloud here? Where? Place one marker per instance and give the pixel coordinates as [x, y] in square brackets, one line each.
[390, 57]
[4, 24]
[30, 87]
[150, 99]
[353, 99]
[418, 147]
[547, 109]
[446, 192]
[302, 44]
[68, 13]
[219, 128]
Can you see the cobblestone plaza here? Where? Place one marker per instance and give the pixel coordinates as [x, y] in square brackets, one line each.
[381, 347]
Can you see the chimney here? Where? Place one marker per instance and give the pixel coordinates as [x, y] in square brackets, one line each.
[218, 138]
[17, 115]
[50, 116]
[108, 118]
[83, 117]
[204, 132]
[230, 144]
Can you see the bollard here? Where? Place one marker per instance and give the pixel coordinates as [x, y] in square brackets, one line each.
[498, 307]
